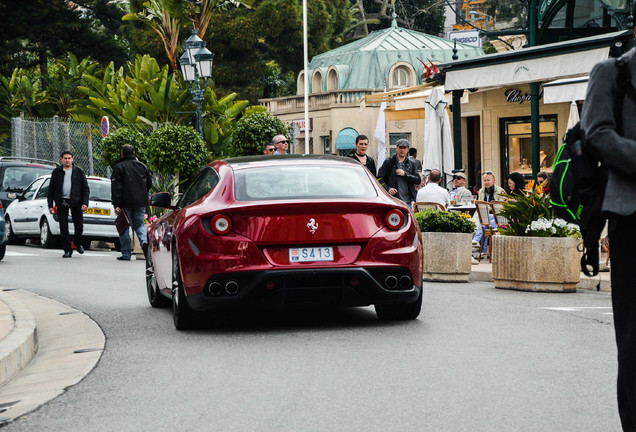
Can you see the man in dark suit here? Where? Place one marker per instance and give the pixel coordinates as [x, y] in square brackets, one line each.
[615, 140]
[69, 191]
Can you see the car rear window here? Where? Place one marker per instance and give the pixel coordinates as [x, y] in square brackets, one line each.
[303, 181]
[17, 178]
[100, 190]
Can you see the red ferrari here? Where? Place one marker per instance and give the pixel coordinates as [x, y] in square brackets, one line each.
[268, 231]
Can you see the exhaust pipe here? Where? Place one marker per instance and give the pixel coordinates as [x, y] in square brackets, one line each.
[405, 282]
[391, 282]
[231, 287]
[215, 288]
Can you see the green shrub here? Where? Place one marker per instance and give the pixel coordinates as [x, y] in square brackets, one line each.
[253, 131]
[444, 221]
[112, 144]
[176, 149]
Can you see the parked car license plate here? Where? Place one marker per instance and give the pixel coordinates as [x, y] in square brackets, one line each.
[96, 211]
[324, 253]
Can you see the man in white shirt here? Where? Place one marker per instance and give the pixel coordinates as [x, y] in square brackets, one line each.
[433, 192]
[459, 193]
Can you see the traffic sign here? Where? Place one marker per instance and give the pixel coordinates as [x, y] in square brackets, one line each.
[105, 126]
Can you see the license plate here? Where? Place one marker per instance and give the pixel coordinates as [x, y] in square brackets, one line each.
[311, 254]
[96, 211]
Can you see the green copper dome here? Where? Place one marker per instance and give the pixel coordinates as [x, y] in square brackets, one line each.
[367, 62]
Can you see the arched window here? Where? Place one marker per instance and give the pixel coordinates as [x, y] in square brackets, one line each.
[300, 84]
[401, 77]
[317, 82]
[332, 80]
[346, 141]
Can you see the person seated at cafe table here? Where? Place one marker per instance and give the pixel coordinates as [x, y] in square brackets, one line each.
[459, 194]
[489, 192]
[433, 192]
[516, 184]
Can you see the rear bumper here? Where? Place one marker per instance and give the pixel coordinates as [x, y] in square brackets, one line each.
[94, 227]
[356, 286]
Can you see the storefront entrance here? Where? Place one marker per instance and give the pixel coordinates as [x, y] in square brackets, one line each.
[516, 145]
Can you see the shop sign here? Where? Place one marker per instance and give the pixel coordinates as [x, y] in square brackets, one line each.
[468, 37]
[301, 124]
[517, 96]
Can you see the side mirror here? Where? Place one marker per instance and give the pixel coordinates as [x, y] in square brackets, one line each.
[162, 200]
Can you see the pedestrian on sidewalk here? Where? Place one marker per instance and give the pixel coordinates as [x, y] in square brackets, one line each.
[69, 191]
[608, 127]
[130, 184]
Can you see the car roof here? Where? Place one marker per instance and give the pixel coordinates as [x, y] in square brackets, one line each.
[26, 161]
[295, 159]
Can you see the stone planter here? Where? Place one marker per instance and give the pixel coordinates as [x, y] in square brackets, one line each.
[447, 256]
[536, 263]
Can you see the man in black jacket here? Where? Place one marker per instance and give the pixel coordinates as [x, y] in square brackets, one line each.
[130, 184]
[69, 191]
[398, 174]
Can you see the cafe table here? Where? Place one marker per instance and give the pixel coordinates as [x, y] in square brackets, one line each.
[465, 208]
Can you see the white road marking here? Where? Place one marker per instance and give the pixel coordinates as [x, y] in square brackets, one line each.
[575, 308]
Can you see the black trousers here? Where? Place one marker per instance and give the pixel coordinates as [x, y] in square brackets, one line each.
[78, 224]
[622, 236]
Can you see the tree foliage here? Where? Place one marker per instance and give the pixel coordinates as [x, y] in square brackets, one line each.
[112, 144]
[255, 130]
[176, 150]
[426, 16]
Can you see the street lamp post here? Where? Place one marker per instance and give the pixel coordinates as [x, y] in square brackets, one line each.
[196, 63]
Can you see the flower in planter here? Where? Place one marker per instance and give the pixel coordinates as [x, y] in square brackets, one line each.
[443, 221]
[531, 216]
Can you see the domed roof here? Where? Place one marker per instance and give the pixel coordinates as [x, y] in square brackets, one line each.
[371, 58]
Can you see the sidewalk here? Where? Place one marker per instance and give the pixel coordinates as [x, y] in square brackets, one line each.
[601, 282]
[45, 347]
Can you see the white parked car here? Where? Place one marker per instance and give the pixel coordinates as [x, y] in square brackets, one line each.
[29, 216]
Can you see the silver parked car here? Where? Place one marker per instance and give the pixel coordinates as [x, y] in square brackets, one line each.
[29, 216]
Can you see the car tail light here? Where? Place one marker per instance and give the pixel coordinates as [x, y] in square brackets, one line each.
[394, 219]
[221, 224]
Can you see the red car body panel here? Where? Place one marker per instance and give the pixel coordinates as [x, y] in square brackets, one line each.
[263, 232]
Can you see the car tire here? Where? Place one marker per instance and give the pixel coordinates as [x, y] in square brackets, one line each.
[47, 240]
[156, 299]
[117, 245]
[400, 311]
[3, 248]
[183, 316]
[12, 239]
[86, 244]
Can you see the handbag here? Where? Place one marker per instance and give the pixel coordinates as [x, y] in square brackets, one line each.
[122, 222]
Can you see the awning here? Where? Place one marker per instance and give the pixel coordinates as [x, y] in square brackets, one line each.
[565, 90]
[346, 139]
[526, 70]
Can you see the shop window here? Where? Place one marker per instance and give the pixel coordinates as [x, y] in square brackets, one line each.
[326, 145]
[517, 145]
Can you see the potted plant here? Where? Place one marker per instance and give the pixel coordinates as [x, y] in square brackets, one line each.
[535, 251]
[447, 245]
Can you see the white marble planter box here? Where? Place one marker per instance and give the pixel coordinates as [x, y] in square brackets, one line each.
[447, 256]
[536, 263]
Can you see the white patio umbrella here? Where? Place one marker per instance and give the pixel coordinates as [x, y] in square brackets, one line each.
[574, 118]
[438, 141]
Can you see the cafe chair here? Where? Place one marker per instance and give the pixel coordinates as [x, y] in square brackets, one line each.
[483, 211]
[496, 207]
[423, 205]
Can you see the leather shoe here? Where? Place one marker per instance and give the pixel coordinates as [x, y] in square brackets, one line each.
[80, 249]
[67, 254]
[123, 258]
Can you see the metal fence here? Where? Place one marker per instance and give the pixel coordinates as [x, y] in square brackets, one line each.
[45, 138]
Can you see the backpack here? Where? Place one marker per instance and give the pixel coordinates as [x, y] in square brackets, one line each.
[578, 181]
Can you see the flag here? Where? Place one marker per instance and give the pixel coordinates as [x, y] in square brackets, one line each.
[433, 68]
[380, 134]
[429, 73]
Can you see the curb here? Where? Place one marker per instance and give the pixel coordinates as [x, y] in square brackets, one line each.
[20, 345]
[597, 283]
